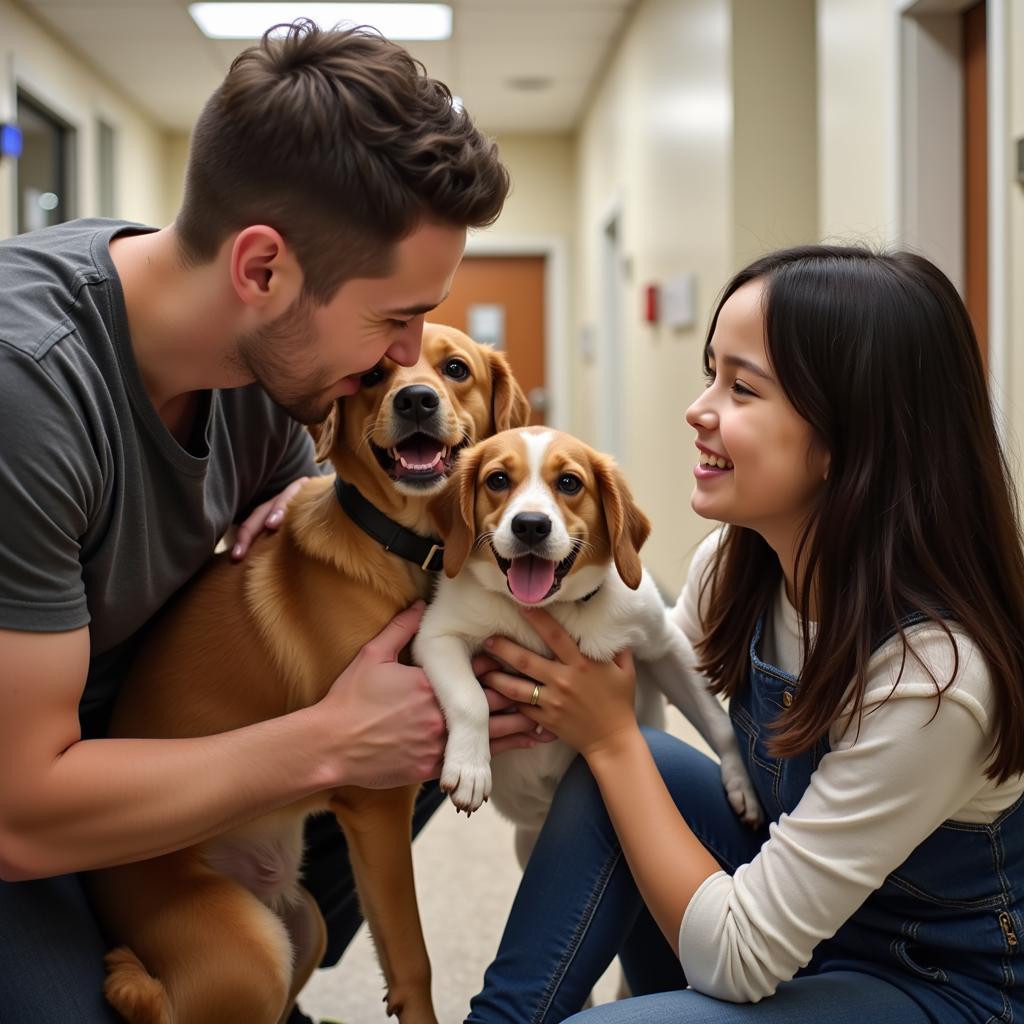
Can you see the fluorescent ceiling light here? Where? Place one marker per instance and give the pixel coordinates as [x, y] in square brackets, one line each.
[251, 20]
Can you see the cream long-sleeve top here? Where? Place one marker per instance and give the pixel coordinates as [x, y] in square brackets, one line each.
[874, 797]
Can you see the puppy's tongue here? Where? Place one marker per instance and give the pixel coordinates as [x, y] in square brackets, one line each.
[530, 578]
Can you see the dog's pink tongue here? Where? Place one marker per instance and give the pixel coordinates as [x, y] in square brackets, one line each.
[420, 450]
[530, 578]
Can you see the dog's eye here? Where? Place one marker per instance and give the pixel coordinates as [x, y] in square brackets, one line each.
[569, 483]
[497, 482]
[374, 376]
[456, 369]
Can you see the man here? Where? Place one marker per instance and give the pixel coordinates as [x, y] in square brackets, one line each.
[152, 390]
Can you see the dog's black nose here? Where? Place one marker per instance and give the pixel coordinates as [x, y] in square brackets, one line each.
[531, 527]
[416, 402]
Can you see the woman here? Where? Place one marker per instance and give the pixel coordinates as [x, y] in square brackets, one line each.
[863, 610]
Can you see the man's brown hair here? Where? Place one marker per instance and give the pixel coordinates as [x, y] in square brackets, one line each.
[341, 142]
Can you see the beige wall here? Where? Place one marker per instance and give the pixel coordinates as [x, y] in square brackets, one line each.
[75, 92]
[856, 106]
[703, 133]
[176, 159]
[655, 144]
[543, 171]
[775, 129]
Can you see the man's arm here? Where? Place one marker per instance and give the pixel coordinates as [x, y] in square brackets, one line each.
[68, 804]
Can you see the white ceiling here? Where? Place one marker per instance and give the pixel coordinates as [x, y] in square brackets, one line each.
[155, 53]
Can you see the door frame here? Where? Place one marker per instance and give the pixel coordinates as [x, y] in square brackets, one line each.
[916, 120]
[555, 251]
[67, 158]
[21, 76]
[612, 387]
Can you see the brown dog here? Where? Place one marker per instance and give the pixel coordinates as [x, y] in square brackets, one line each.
[205, 933]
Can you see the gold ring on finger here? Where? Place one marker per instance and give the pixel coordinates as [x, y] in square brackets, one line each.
[535, 697]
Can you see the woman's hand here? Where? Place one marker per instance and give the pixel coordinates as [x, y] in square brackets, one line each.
[268, 516]
[508, 728]
[589, 704]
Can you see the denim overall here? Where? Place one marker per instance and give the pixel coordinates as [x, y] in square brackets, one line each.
[946, 926]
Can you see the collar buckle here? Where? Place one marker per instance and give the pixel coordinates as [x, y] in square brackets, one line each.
[392, 536]
[434, 549]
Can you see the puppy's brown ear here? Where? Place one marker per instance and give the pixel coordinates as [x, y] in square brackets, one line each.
[323, 434]
[509, 404]
[628, 527]
[453, 512]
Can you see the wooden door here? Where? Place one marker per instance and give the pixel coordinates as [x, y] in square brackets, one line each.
[507, 291]
[976, 171]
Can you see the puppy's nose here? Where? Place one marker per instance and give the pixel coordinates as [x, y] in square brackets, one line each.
[531, 527]
[416, 402]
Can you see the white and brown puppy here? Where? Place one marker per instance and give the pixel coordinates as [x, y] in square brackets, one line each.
[535, 517]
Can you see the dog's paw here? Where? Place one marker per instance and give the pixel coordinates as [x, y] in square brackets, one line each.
[136, 995]
[468, 785]
[741, 795]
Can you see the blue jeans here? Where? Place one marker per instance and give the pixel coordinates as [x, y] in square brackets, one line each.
[578, 907]
[51, 948]
[842, 997]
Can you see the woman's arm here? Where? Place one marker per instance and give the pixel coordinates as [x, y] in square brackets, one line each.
[865, 810]
[668, 862]
[590, 705]
[868, 805]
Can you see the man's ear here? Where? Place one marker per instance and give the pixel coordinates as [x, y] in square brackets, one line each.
[265, 270]
[453, 512]
[628, 527]
[323, 434]
[509, 404]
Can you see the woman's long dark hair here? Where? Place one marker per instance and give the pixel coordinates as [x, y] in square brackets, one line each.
[918, 513]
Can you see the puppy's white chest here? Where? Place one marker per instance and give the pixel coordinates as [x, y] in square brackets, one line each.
[604, 628]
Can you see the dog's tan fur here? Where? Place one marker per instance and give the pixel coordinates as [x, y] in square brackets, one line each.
[253, 641]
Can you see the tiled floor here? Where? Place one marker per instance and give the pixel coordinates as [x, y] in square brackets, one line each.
[467, 875]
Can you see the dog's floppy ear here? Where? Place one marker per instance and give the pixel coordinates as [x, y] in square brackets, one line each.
[509, 404]
[628, 527]
[323, 434]
[454, 512]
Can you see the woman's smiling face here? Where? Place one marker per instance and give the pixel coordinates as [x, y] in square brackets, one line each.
[759, 464]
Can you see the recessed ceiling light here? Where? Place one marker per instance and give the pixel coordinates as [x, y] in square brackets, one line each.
[251, 20]
[530, 83]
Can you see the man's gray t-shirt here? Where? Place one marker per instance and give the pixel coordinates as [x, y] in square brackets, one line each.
[105, 514]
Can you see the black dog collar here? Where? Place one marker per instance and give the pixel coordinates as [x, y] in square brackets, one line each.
[426, 552]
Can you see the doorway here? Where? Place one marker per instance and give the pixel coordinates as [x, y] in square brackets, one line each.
[975, 64]
[44, 169]
[608, 420]
[945, 147]
[500, 300]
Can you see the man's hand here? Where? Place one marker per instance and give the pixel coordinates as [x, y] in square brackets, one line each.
[267, 516]
[386, 729]
[509, 728]
[385, 726]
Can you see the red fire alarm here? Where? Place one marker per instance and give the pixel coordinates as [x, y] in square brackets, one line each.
[651, 304]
